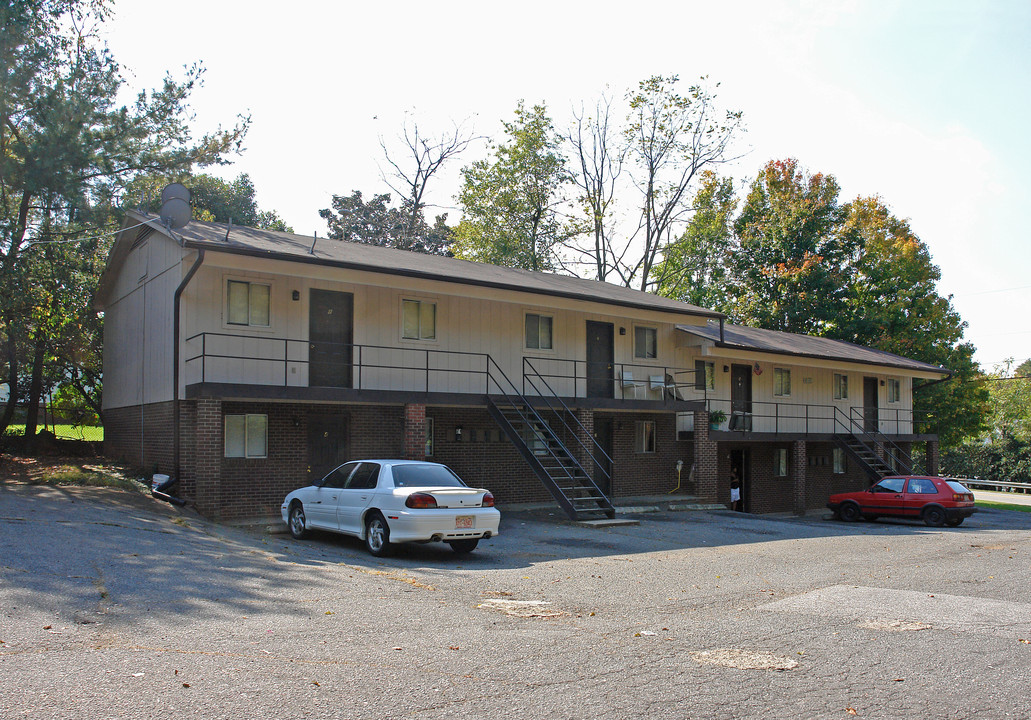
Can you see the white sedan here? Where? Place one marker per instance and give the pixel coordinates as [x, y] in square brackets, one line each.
[391, 501]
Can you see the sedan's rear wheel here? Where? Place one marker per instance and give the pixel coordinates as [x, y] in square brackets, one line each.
[934, 516]
[464, 546]
[377, 535]
[849, 512]
[297, 521]
[954, 522]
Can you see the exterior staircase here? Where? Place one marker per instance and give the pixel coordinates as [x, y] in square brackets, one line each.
[555, 444]
[860, 443]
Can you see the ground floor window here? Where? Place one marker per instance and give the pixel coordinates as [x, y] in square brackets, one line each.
[429, 437]
[780, 462]
[644, 436]
[246, 436]
[839, 461]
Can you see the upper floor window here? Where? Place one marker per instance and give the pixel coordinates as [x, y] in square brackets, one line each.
[781, 382]
[247, 303]
[646, 342]
[419, 320]
[704, 375]
[538, 332]
[840, 386]
[894, 390]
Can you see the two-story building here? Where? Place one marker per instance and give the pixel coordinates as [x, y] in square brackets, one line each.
[246, 363]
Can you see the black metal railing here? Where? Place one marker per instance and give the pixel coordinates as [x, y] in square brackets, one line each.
[573, 378]
[808, 418]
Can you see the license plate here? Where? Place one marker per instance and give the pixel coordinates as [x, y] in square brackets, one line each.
[463, 522]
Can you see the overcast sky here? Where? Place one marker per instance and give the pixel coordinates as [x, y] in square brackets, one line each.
[925, 103]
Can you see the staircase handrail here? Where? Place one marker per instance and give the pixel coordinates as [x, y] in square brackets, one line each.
[850, 429]
[528, 364]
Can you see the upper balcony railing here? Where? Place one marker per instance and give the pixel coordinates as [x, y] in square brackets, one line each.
[217, 357]
[782, 417]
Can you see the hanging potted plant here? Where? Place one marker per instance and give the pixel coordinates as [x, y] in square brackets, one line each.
[716, 418]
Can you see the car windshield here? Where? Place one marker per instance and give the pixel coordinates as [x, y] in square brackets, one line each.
[425, 476]
[957, 486]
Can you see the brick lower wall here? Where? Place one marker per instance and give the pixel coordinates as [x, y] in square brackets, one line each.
[140, 436]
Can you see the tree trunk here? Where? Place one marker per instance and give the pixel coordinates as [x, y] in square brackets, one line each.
[12, 379]
[35, 394]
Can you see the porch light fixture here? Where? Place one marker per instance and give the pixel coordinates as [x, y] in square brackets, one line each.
[882, 383]
[622, 331]
[296, 295]
[458, 433]
[726, 368]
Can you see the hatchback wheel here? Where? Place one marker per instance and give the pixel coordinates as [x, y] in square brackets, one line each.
[849, 512]
[934, 516]
[297, 521]
[377, 535]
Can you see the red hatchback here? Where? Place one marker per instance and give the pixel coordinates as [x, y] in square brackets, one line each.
[934, 500]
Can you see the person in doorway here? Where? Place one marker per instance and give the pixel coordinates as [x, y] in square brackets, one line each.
[735, 492]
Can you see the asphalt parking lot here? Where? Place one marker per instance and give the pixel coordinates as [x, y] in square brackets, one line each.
[115, 606]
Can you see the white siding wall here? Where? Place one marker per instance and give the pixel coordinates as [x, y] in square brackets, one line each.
[483, 322]
[138, 325]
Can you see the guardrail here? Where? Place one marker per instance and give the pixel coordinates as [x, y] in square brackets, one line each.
[1000, 485]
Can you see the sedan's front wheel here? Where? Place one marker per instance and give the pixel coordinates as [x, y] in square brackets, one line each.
[377, 535]
[297, 521]
[849, 512]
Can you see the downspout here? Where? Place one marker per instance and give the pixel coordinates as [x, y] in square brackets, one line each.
[722, 339]
[175, 359]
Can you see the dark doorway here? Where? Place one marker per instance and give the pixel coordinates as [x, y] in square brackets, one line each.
[328, 445]
[603, 436]
[330, 334]
[871, 411]
[600, 358]
[739, 464]
[740, 389]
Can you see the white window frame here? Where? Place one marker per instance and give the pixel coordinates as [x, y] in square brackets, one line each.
[897, 384]
[781, 463]
[420, 333]
[840, 461]
[250, 321]
[250, 424]
[708, 378]
[646, 330]
[551, 331]
[781, 391]
[840, 386]
[644, 437]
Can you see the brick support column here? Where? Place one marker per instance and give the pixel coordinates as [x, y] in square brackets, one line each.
[706, 460]
[414, 432]
[933, 459]
[582, 449]
[798, 466]
[209, 447]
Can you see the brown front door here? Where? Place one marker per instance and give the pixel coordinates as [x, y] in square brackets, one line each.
[330, 334]
[600, 359]
[741, 388]
[870, 408]
[328, 445]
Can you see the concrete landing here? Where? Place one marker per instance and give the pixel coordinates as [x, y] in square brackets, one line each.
[608, 522]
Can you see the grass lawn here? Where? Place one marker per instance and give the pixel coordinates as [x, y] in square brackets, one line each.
[1002, 506]
[67, 432]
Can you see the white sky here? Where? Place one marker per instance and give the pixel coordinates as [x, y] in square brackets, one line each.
[924, 102]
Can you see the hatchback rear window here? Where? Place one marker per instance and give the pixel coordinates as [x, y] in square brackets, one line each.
[425, 476]
[957, 486]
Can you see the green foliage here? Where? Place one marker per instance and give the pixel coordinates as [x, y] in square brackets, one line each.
[212, 199]
[376, 223]
[796, 259]
[510, 201]
[68, 150]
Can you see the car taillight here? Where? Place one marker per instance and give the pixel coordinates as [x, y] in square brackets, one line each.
[962, 497]
[420, 501]
[488, 500]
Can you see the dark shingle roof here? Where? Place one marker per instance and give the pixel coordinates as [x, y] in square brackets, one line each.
[811, 346]
[298, 248]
